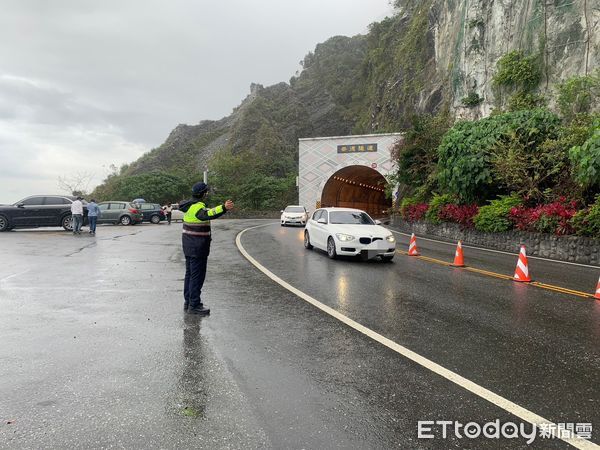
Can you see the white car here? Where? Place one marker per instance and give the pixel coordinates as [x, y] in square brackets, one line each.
[349, 232]
[294, 214]
[176, 214]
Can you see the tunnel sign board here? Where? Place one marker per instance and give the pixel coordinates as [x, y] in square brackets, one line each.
[357, 148]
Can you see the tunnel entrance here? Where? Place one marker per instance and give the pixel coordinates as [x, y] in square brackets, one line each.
[357, 187]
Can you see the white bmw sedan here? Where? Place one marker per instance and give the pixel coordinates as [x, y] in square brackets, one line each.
[349, 232]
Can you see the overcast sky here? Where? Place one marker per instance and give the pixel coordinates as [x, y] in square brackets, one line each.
[85, 84]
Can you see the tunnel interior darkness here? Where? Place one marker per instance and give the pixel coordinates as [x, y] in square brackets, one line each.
[357, 187]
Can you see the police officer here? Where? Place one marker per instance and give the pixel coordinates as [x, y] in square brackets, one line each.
[196, 245]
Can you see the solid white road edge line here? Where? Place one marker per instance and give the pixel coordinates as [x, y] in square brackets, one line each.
[453, 244]
[455, 378]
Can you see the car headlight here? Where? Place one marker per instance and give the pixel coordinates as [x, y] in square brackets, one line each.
[344, 237]
[390, 238]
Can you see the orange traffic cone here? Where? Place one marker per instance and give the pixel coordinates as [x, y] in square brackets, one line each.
[522, 270]
[459, 260]
[412, 247]
[597, 296]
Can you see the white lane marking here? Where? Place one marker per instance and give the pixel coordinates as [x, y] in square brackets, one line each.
[497, 251]
[13, 275]
[455, 378]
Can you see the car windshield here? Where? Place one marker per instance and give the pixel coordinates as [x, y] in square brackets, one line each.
[294, 209]
[350, 217]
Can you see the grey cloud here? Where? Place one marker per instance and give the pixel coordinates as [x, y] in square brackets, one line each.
[106, 81]
[25, 100]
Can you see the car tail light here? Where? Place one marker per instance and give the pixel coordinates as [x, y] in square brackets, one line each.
[133, 211]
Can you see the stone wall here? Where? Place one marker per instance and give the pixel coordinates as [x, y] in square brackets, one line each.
[576, 249]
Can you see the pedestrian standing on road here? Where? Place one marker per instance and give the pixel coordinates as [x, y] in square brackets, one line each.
[77, 214]
[196, 239]
[168, 212]
[93, 214]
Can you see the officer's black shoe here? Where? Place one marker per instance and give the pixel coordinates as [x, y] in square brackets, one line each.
[199, 311]
[186, 306]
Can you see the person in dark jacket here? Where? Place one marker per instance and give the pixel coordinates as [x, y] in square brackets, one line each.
[196, 239]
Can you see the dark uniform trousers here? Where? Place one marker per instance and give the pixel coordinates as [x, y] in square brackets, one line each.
[196, 252]
[195, 273]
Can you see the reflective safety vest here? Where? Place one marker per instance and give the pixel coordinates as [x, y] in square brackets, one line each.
[194, 226]
[190, 214]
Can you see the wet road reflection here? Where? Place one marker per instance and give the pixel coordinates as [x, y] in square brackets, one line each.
[192, 390]
[342, 288]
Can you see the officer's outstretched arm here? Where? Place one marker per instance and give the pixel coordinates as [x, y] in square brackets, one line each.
[212, 213]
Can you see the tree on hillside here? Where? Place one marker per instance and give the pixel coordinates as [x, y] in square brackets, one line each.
[156, 186]
[76, 184]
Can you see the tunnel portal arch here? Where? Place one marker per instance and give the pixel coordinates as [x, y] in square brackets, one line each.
[332, 169]
[358, 187]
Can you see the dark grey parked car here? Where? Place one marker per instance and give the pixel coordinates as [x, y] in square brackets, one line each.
[114, 211]
[152, 212]
[39, 211]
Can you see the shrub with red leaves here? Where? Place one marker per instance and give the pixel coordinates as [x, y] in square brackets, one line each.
[412, 213]
[462, 214]
[521, 216]
[550, 218]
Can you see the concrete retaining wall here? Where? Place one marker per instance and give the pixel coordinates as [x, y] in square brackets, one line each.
[577, 249]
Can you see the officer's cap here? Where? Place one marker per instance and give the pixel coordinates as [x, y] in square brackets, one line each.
[199, 188]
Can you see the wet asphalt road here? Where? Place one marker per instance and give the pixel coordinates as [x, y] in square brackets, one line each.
[96, 351]
[583, 278]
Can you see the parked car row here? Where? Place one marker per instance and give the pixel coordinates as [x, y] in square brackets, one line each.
[55, 211]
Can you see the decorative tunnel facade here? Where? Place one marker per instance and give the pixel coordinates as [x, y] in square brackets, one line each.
[358, 187]
[346, 171]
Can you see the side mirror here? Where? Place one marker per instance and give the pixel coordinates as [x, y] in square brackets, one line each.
[378, 222]
[20, 205]
[282, 210]
[322, 221]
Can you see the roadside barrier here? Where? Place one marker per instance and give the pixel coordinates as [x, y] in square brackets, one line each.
[412, 247]
[597, 295]
[522, 269]
[459, 260]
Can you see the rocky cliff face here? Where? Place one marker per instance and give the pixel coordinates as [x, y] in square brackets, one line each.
[470, 36]
[313, 104]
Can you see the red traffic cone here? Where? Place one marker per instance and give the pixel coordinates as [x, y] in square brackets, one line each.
[597, 295]
[522, 270]
[459, 260]
[412, 247]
